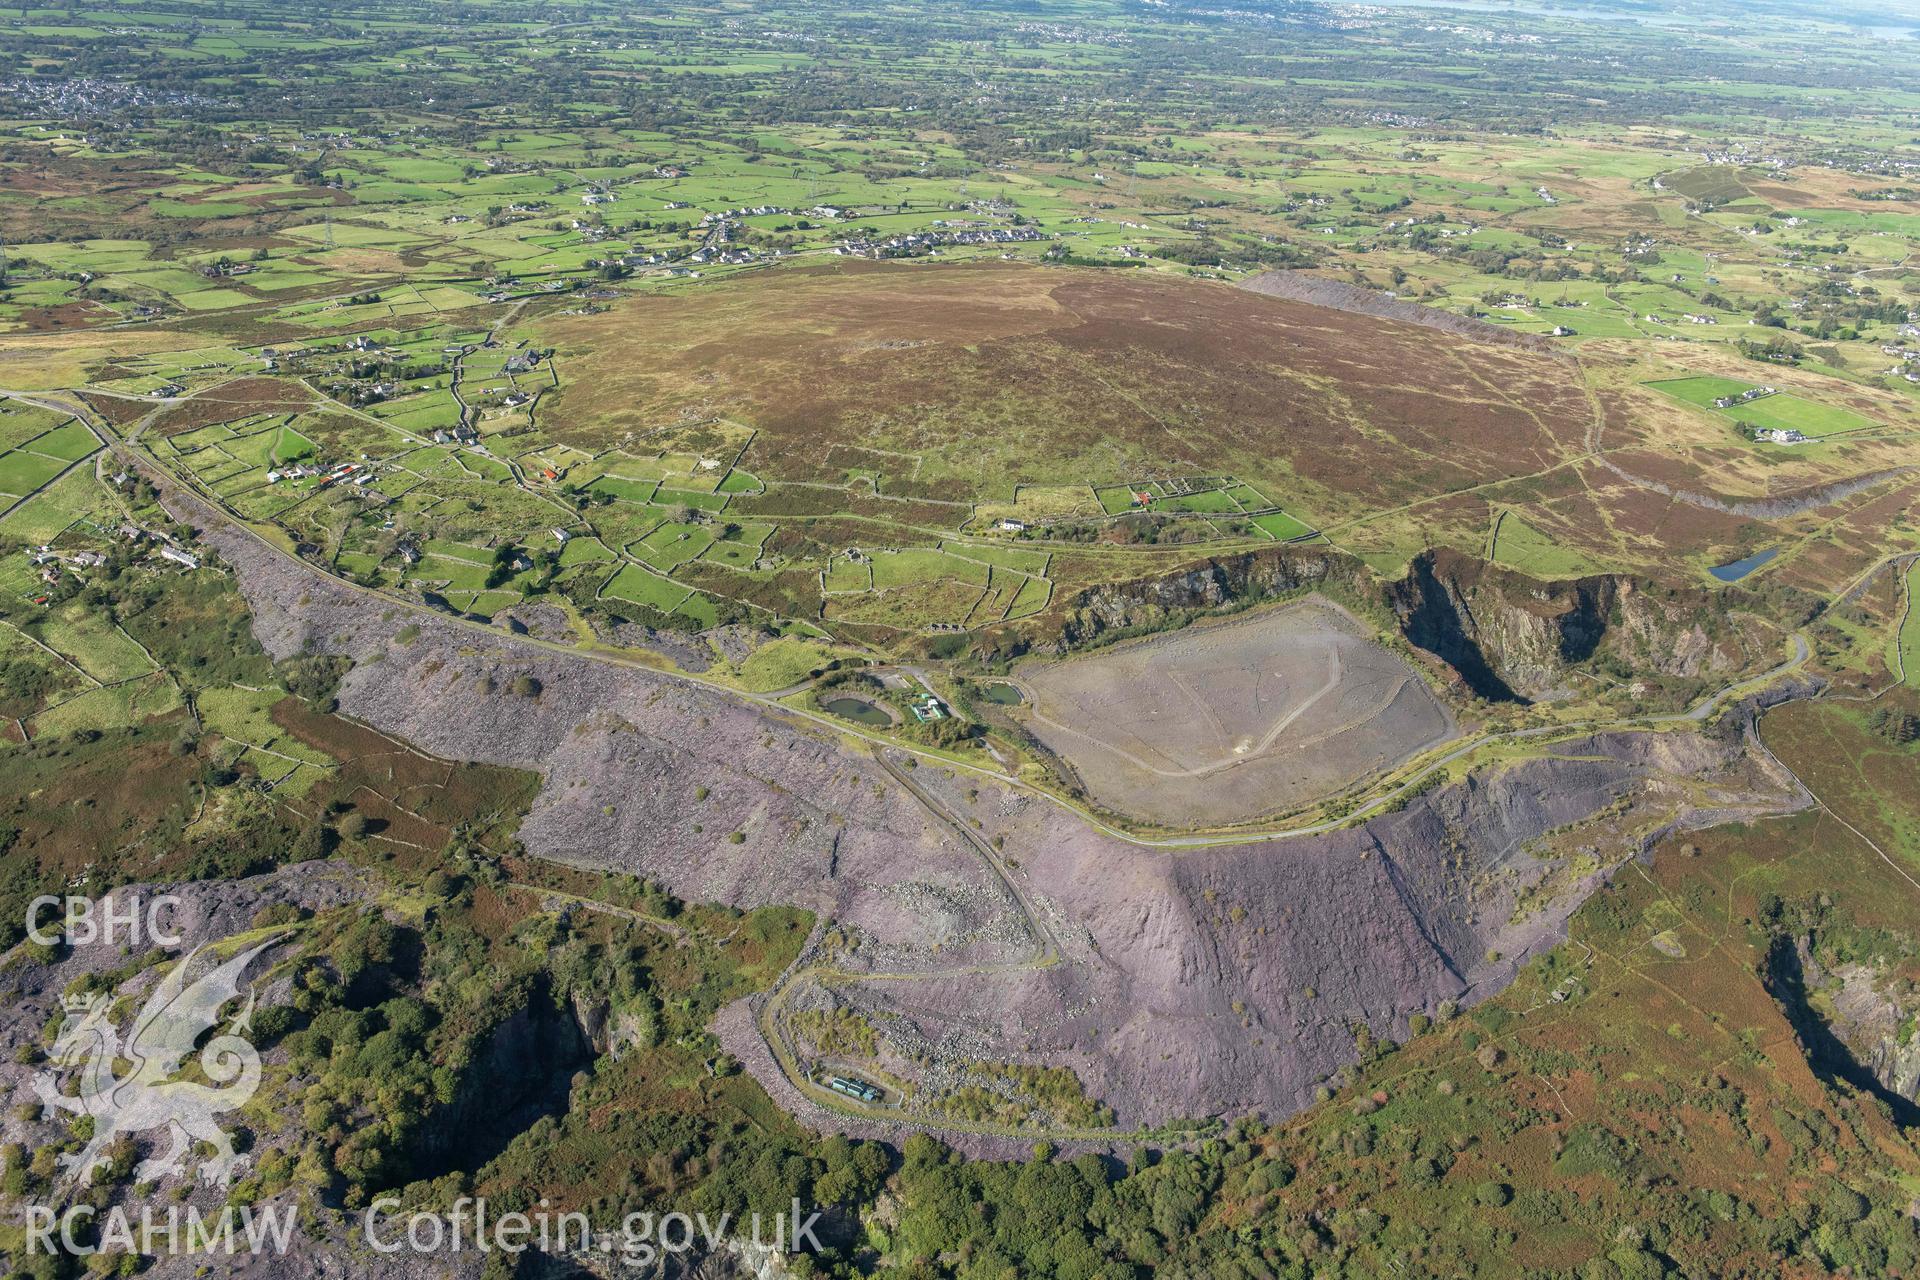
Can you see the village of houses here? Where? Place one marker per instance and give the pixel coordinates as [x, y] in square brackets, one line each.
[59, 566]
[720, 240]
[719, 233]
[1906, 354]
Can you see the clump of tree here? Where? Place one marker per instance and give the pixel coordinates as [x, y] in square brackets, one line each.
[1896, 726]
[315, 678]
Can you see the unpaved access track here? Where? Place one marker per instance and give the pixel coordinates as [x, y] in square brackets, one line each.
[998, 924]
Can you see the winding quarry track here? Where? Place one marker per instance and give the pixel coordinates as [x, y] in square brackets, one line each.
[1043, 948]
[127, 448]
[1045, 954]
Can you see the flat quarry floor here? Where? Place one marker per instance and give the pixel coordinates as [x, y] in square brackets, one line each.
[1227, 721]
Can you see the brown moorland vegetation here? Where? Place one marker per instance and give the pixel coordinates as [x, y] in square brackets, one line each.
[1642, 1090]
[973, 379]
[233, 400]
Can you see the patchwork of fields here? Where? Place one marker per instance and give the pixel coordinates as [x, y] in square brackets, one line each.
[1098, 580]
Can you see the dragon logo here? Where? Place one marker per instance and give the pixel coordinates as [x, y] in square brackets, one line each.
[148, 1097]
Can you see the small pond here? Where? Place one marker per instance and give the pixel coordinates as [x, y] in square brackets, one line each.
[858, 710]
[1001, 695]
[1739, 569]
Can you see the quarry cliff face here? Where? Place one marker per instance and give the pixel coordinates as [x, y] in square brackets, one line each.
[1192, 981]
[1512, 637]
[1879, 1028]
[1147, 604]
[1501, 635]
[1856, 1020]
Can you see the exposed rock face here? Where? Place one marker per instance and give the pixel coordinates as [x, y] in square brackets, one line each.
[1505, 636]
[1856, 1020]
[1665, 634]
[1879, 1029]
[1512, 637]
[1150, 603]
[1437, 613]
[1199, 980]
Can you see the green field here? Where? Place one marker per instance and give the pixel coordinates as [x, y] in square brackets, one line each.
[69, 443]
[1782, 411]
[22, 472]
[1282, 526]
[783, 662]
[903, 568]
[54, 509]
[110, 707]
[1791, 412]
[1702, 391]
[635, 584]
[639, 491]
[91, 642]
[243, 718]
[671, 545]
[1007, 557]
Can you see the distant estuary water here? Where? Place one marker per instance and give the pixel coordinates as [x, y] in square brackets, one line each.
[1652, 16]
